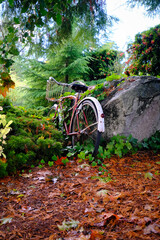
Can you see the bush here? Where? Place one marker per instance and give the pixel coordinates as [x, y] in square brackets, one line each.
[32, 138]
[152, 143]
[3, 166]
[102, 62]
[144, 53]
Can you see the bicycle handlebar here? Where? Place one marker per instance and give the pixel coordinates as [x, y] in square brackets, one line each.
[64, 84]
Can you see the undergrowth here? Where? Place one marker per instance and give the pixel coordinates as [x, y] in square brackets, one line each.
[32, 138]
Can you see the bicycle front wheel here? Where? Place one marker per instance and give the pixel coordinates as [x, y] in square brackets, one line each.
[85, 126]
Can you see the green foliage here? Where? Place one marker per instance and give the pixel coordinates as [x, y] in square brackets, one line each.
[102, 90]
[3, 168]
[144, 53]
[46, 148]
[31, 78]
[153, 142]
[102, 62]
[82, 155]
[33, 138]
[119, 145]
[68, 61]
[98, 92]
[51, 22]
[65, 161]
[50, 163]
[152, 6]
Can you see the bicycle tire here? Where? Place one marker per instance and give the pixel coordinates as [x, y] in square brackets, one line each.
[86, 109]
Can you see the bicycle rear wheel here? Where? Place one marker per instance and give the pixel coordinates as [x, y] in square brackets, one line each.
[85, 126]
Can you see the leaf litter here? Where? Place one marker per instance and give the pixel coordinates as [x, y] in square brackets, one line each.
[72, 202]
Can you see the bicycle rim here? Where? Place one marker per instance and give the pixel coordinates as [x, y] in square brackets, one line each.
[87, 126]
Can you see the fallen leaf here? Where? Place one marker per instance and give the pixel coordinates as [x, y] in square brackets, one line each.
[102, 193]
[25, 175]
[148, 175]
[68, 225]
[152, 228]
[96, 235]
[106, 218]
[148, 207]
[6, 220]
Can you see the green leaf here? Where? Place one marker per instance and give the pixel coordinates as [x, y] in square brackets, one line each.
[14, 51]
[50, 163]
[64, 161]
[158, 162]
[70, 154]
[2, 60]
[148, 175]
[82, 155]
[100, 169]
[21, 195]
[68, 225]
[54, 158]
[11, 2]
[16, 20]
[42, 161]
[90, 157]
[26, 34]
[94, 164]
[59, 19]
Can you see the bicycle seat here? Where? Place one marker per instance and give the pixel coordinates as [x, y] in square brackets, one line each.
[79, 87]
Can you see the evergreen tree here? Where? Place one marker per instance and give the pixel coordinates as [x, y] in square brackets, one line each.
[33, 76]
[27, 22]
[152, 6]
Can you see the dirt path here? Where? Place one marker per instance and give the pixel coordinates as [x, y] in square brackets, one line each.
[76, 202]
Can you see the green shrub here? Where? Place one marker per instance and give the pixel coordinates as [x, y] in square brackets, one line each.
[144, 53]
[118, 145]
[103, 62]
[3, 168]
[153, 142]
[32, 138]
[47, 148]
[20, 143]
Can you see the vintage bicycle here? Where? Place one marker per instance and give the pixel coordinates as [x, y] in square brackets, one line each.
[86, 116]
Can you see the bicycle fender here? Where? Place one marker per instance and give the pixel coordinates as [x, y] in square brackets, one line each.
[101, 125]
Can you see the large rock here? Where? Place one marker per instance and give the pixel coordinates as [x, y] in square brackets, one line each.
[133, 108]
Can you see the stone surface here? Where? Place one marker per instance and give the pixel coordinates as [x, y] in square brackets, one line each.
[133, 108]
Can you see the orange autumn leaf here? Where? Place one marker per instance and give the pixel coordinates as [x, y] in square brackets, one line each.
[3, 91]
[96, 235]
[59, 160]
[43, 127]
[6, 84]
[3, 160]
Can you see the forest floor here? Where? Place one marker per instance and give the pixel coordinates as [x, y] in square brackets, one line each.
[76, 202]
